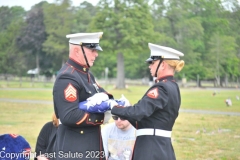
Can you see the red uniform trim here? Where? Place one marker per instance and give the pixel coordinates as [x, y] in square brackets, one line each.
[89, 79]
[14, 135]
[73, 70]
[164, 77]
[119, 106]
[66, 69]
[69, 65]
[83, 119]
[93, 123]
[79, 63]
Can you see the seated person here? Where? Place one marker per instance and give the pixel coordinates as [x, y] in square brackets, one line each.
[46, 139]
[118, 139]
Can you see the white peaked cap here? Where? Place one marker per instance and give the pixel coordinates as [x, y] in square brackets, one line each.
[165, 52]
[79, 38]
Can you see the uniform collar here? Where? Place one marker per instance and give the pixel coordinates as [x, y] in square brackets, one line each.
[165, 78]
[77, 65]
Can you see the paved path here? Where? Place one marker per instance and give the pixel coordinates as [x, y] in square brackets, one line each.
[181, 110]
[210, 112]
[25, 101]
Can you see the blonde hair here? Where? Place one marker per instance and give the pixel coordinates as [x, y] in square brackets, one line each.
[55, 120]
[177, 65]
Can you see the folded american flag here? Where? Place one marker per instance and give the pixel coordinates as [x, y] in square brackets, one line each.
[101, 108]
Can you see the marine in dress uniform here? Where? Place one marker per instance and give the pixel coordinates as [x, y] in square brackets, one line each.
[155, 113]
[79, 134]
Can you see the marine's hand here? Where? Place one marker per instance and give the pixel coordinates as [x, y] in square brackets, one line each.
[112, 103]
[124, 100]
[98, 98]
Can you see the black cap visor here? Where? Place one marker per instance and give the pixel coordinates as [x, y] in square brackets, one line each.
[149, 60]
[95, 46]
[153, 58]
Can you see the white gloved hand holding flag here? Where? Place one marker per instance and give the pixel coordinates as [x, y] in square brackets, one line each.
[98, 98]
[99, 103]
[112, 103]
[124, 101]
[99, 108]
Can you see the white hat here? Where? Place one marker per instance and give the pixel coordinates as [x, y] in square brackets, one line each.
[89, 40]
[161, 52]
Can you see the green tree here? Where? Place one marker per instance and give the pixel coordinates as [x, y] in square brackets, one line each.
[234, 21]
[58, 23]
[181, 29]
[11, 60]
[33, 34]
[127, 27]
[222, 56]
[9, 15]
[83, 14]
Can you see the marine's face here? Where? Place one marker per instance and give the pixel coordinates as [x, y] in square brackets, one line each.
[153, 67]
[91, 55]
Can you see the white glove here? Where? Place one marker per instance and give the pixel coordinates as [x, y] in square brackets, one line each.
[112, 103]
[125, 100]
[98, 98]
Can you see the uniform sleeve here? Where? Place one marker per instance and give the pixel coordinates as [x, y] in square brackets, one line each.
[66, 96]
[154, 99]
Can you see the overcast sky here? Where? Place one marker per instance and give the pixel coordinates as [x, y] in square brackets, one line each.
[27, 4]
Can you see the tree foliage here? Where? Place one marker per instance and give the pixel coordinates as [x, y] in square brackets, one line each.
[58, 23]
[11, 60]
[206, 31]
[33, 35]
[127, 27]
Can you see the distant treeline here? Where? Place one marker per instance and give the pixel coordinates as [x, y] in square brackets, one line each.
[206, 31]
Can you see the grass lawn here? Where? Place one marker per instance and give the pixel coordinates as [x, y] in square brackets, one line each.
[195, 136]
[206, 137]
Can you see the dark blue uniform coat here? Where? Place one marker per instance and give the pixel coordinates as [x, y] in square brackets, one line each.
[79, 135]
[158, 109]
